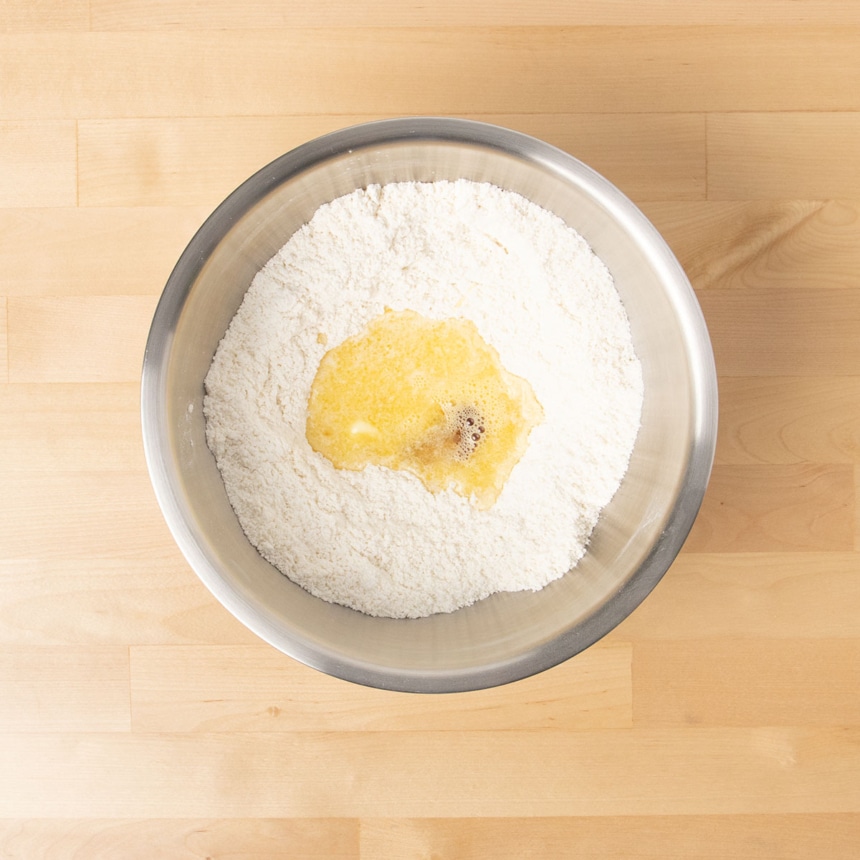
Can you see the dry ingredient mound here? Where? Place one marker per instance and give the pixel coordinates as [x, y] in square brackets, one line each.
[377, 540]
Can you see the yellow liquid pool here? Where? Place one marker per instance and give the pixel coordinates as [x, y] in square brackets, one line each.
[426, 396]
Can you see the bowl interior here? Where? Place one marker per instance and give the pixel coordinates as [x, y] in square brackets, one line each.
[506, 636]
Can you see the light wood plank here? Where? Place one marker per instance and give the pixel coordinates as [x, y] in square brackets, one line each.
[181, 839]
[431, 774]
[789, 420]
[37, 162]
[773, 154]
[64, 689]
[763, 243]
[422, 70]
[856, 508]
[784, 595]
[772, 508]
[71, 428]
[221, 14]
[179, 161]
[747, 682]
[21, 16]
[228, 689]
[84, 514]
[88, 252]
[149, 600]
[4, 341]
[201, 160]
[77, 338]
[159, 600]
[667, 161]
[784, 332]
[653, 837]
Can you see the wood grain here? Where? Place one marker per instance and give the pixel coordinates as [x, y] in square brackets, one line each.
[753, 244]
[4, 342]
[91, 515]
[652, 837]
[139, 719]
[64, 689]
[747, 682]
[784, 332]
[773, 595]
[181, 839]
[221, 14]
[773, 154]
[765, 508]
[71, 427]
[44, 155]
[138, 163]
[223, 689]
[789, 420]
[856, 509]
[44, 15]
[123, 15]
[350, 71]
[75, 252]
[56, 599]
[77, 338]
[432, 774]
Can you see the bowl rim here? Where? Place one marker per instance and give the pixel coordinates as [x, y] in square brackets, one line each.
[513, 143]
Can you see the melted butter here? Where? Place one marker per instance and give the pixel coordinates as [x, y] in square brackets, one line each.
[426, 396]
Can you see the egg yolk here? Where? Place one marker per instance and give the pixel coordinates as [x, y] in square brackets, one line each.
[426, 396]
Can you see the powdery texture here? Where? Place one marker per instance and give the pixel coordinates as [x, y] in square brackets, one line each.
[377, 540]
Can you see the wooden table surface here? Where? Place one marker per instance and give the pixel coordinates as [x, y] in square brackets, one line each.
[138, 719]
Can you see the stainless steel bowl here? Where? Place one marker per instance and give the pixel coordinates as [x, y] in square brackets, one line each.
[506, 636]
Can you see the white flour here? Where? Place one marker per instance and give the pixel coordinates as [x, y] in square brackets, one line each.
[377, 540]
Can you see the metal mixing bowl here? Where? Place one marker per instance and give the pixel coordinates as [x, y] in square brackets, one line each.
[507, 636]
